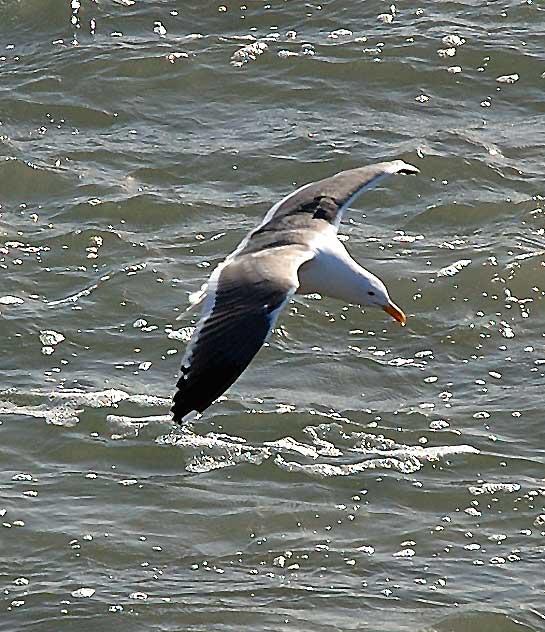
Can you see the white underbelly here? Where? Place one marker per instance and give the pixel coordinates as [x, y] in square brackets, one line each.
[333, 272]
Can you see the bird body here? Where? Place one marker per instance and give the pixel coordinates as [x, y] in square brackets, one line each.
[294, 249]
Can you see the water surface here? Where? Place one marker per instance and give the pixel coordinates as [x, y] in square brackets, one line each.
[358, 476]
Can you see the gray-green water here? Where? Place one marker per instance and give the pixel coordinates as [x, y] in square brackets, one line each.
[133, 160]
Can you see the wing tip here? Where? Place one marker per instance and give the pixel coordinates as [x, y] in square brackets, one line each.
[180, 408]
[183, 404]
[178, 412]
[404, 168]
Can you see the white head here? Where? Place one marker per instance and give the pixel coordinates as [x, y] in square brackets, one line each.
[333, 272]
[375, 294]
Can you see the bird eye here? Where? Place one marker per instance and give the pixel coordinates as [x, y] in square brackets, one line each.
[371, 293]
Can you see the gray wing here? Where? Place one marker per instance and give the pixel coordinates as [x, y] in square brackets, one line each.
[320, 202]
[313, 208]
[244, 298]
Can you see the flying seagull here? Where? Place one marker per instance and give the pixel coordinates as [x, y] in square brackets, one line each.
[295, 249]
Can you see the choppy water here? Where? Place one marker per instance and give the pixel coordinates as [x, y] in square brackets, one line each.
[359, 476]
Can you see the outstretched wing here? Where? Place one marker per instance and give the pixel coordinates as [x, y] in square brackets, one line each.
[246, 292]
[325, 200]
[244, 298]
[311, 209]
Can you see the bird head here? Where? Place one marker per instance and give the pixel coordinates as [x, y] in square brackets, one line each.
[375, 294]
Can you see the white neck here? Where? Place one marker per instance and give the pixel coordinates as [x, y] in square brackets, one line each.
[333, 272]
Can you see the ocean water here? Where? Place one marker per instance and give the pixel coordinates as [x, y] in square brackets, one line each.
[359, 475]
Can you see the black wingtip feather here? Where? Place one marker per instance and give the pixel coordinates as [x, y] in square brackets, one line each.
[412, 171]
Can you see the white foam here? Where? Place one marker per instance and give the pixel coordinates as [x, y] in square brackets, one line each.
[57, 415]
[105, 398]
[405, 459]
[425, 454]
[288, 444]
[63, 407]
[50, 338]
[83, 592]
[184, 334]
[221, 453]
[73, 298]
[454, 268]
[323, 470]
[10, 300]
[494, 488]
[215, 451]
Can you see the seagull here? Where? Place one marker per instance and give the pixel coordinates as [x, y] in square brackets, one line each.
[295, 249]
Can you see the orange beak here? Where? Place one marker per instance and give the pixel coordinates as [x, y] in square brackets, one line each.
[395, 313]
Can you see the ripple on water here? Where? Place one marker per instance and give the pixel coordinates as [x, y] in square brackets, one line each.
[324, 474]
[220, 451]
[63, 407]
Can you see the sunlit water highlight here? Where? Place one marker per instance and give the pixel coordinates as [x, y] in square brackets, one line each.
[358, 476]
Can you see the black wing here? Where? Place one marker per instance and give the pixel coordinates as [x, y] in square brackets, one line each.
[244, 299]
